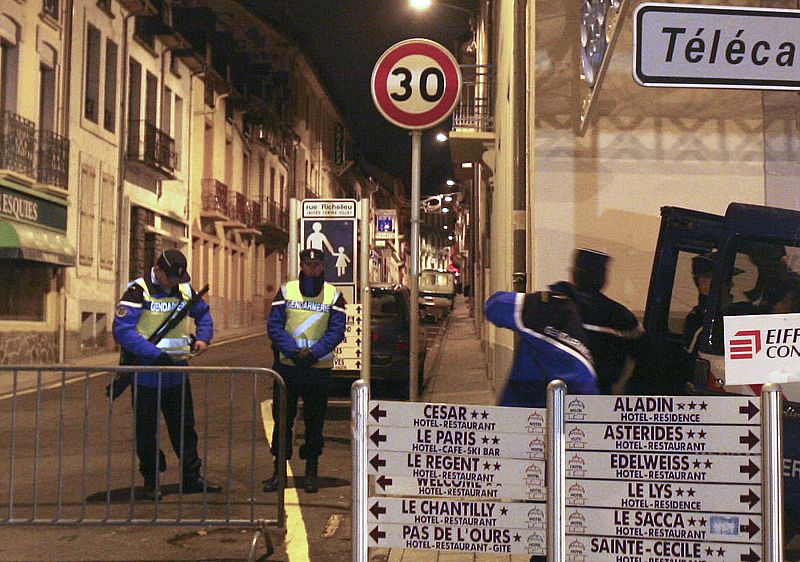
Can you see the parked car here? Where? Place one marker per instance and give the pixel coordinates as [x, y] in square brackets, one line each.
[389, 375]
[437, 292]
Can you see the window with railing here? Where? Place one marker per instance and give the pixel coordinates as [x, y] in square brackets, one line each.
[149, 144]
[475, 108]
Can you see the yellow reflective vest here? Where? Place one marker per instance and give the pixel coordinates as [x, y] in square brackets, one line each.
[307, 318]
[155, 310]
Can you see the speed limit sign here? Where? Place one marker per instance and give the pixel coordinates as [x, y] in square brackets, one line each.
[416, 83]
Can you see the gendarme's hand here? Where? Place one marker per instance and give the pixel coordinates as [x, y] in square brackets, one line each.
[304, 358]
[200, 347]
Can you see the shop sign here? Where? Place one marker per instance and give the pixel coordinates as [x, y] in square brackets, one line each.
[22, 207]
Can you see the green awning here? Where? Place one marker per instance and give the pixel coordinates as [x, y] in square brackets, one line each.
[28, 242]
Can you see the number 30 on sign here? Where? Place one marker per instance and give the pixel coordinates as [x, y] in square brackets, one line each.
[416, 84]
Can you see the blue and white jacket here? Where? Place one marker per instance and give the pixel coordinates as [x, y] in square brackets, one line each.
[552, 346]
[129, 311]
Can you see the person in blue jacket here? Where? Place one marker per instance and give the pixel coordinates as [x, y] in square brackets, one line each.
[144, 306]
[306, 323]
[552, 346]
[614, 334]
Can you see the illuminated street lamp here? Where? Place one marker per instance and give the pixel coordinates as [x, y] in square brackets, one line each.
[422, 5]
[450, 183]
[441, 137]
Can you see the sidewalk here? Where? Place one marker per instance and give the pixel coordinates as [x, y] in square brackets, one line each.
[459, 376]
[28, 379]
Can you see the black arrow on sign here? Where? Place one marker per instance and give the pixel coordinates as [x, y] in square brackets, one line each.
[358, 309]
[751, 410]
[358, 353]
[383, 482]
[751, 439]
[377, 534]
[751, 469]
[358, 330]
[377, 462]
[377, 511]
[377, 413]
[378, 438]
[358, 342]
[750, 557]
[751, 528]
[358, 364]
[751, 498]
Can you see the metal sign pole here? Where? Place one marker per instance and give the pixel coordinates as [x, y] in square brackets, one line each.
[771, 461]
[416, 180]
[359, 397]
[294, 224]
[366, 300]
[556, 472]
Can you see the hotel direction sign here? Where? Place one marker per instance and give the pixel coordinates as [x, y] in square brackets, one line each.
[612, 549]
[663, 438]
[456, 416]
[694, 46]
[643, 523]
[458, 538]
[663, 478]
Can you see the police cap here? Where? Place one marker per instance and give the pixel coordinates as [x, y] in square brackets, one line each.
[312, 254]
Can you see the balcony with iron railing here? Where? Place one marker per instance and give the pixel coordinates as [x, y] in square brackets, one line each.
[275, 216]
[237, 208]
[215, 199]
[17, 143]
[253, 216]
[52, 161]
[149, 145]
[473, 117]
[42, 156]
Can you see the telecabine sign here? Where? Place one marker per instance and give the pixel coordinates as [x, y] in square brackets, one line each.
[716, 46]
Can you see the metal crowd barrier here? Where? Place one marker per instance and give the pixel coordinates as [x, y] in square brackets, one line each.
[68, 451]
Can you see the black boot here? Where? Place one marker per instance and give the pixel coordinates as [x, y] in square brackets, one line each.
[151, 491]
[311, 482]
[271, 483]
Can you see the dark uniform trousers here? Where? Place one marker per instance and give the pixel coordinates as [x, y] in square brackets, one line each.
[174, 401]
[313, 386]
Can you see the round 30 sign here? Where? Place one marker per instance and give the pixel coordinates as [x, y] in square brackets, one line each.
[416, 83]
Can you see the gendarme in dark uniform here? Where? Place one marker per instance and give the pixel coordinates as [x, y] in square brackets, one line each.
[613, 332]
[306, 323]
[147, 302]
